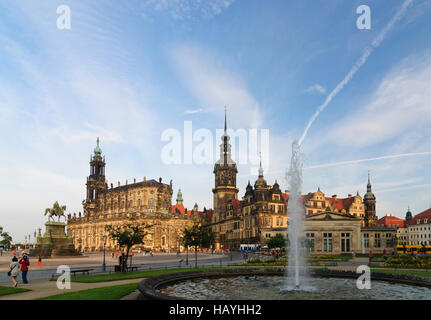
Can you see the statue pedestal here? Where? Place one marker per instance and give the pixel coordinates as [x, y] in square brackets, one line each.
[54, 242]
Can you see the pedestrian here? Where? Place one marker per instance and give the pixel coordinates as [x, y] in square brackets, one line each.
[370, 257]
[39, 262]
[24, 262]
[14, 270]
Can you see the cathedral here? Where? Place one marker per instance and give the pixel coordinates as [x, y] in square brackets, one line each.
[332, 224]
[147, 201]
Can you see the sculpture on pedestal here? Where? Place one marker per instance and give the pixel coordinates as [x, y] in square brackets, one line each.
[54, 242]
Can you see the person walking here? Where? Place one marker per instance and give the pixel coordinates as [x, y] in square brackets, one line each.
[24, 262]
[14, 270]
[39, 262]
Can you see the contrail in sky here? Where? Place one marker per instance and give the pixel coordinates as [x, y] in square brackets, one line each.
[377, 41]
[334, 164]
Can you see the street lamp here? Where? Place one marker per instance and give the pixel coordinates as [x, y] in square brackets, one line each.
[104, 251]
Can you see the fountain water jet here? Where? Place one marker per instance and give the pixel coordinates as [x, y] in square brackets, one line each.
[296, 271]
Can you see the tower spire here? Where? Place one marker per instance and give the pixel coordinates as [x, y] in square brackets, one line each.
[225, 118]
[260, 165]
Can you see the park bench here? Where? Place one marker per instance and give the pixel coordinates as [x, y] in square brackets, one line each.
[83, 271]
[132, 268]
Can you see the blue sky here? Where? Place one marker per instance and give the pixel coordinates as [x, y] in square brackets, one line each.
[128, 71]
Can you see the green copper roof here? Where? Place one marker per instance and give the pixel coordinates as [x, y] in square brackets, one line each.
[97, 150]
[179, 196]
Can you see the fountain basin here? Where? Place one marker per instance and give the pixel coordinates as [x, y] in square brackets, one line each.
[268, 283]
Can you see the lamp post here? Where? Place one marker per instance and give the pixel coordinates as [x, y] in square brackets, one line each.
[104, 251]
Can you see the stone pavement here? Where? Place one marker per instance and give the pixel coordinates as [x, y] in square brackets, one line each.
[49, 288]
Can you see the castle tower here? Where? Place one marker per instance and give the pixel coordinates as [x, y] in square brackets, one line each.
[96, 180]
[225, 171]
[260, 186]
[409, 215]
[370, 205]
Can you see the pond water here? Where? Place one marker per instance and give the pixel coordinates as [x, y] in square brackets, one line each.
[273, 288]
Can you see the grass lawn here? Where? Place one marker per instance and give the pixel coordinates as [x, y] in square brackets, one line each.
[11, 290]
[421, 273]
[104, 293]
[136, 274]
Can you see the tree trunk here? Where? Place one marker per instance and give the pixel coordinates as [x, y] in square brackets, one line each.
[125, 259]
[196, 256]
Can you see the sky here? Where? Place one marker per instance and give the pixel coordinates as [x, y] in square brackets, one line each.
[133, 72]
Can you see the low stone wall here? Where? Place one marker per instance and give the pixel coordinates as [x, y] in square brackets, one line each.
[149, 286]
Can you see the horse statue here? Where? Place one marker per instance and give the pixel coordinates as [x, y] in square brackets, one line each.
[55, 211]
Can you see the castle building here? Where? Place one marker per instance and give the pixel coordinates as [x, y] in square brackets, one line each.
[332, 224]
[415, 230]
[147, 201]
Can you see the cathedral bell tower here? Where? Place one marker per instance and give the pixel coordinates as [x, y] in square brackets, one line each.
[96, 180]
[225, 171]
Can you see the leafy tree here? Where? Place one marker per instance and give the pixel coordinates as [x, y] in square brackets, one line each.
[7, 239]
[56, 211]
[198, 236]
[277, 242]
[128, 235]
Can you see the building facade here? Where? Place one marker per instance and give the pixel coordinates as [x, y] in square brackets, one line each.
[147, 202]
[333, 224]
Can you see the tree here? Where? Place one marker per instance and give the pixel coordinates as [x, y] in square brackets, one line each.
[198, 236]
[128, 235]
[277, 242]
[7, 240]
[56, 210]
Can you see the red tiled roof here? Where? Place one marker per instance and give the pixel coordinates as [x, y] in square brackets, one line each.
[236, 204]
[421, 216]
[341, 204]
[180, 208]
[389, 221]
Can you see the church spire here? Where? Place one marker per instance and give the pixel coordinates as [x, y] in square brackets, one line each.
[225, 147]
[260, 165]
[97, 150]
[225, 119]
[179, 197]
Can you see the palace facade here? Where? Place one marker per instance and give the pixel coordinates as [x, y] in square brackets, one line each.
[146, 201]
[332, 224]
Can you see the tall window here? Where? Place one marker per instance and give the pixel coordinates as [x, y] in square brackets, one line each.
[345, 242]
[377, 241]
[310, 238]
[327, 242]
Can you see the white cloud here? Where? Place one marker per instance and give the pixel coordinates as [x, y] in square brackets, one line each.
[193, 111]
[185, 9]
[401, 102]
[214, 86]
[317, 88]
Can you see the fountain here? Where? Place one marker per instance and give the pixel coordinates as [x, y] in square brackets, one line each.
[296, 270]
[293, 282]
